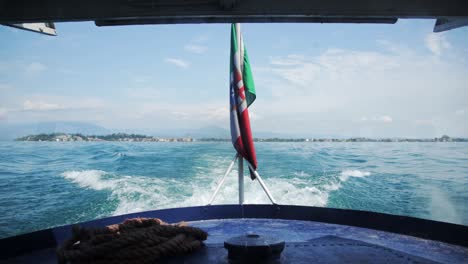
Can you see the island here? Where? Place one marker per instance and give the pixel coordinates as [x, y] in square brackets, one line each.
[63, 137]
[123, 137]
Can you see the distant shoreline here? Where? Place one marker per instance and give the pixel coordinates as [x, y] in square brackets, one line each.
[123, 137]
[357, 139]
[119, 137]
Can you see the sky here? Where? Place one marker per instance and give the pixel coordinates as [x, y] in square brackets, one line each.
[343, 80]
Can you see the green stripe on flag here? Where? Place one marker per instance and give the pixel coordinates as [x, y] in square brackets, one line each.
[248, 80]
[247, 76]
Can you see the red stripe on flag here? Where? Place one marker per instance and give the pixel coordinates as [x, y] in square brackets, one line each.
[247, 139]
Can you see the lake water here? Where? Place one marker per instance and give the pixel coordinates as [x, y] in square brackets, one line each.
[46, 184]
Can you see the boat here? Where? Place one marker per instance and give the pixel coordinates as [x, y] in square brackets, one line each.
[252, 233]
[311, 234]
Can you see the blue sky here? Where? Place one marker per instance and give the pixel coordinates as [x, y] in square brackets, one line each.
[312, 79]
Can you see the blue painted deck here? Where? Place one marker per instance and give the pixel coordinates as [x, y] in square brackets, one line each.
[312, 234]
[300, 232]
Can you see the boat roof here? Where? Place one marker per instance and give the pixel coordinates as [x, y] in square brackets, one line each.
[449, 13]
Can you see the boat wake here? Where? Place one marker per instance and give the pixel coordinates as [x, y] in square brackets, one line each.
[140, 193]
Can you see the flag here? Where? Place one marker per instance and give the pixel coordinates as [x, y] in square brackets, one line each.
[242, 95]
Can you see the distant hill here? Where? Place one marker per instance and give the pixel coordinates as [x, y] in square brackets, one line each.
[11, 131]
[209, 131]
[217, 132]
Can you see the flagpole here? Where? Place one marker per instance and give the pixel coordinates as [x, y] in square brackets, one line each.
[239, 116]
[240, 45]
[224, 178]
[241, 179]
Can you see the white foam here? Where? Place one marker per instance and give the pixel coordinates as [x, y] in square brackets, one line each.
[442, 208]
[284, 190]
[302, 174]
[139, 193]
[89, 179]
[343, 177]
[133, 193]
[353, 173]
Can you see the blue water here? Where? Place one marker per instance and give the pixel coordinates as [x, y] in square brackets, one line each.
[46, 184]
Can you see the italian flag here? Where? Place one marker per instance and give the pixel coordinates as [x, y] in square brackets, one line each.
[242, 95]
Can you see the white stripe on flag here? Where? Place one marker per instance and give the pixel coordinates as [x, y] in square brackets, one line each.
[242, 105]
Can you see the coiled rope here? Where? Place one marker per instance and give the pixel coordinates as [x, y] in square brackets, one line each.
[137, 240]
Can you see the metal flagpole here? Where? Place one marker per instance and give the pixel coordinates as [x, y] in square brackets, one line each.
[240, 161]
[240, 45]
[223, 179]
[261, 182]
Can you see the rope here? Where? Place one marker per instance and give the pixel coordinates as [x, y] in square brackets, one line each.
[137, 240]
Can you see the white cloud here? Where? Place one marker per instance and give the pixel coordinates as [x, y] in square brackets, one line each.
[389, 91]
[195, 48]
[35, 67]
[332, 64]
[39, 108]
[29, 105]
[178, 62]
[327, 91]
[437, 43]
[181, 115]
[51, 103]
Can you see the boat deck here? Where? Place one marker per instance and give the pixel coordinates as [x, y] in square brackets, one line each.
[307, 241]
